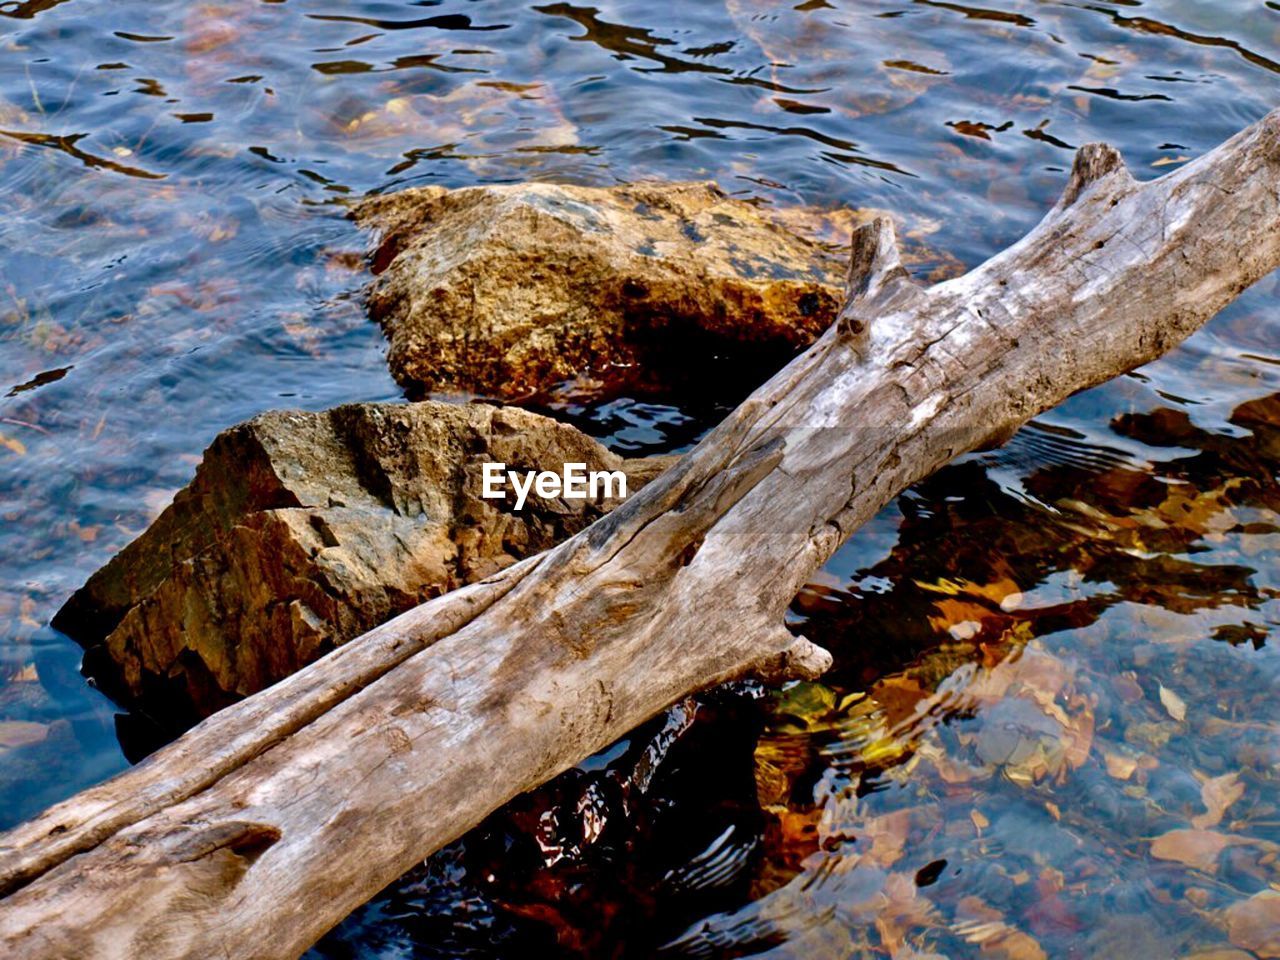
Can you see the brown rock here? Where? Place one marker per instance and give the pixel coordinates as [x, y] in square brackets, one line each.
[1254, 924]
[508, 290]
[303, 530]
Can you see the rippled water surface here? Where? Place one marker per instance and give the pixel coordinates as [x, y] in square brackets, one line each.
[1051, 730]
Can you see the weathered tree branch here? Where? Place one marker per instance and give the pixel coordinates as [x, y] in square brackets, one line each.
[272, 820]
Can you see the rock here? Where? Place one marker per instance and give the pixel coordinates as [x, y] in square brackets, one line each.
[303, 530]
[509, 290]
[1254, 924]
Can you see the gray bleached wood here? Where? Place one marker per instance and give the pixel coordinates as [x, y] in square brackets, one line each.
[268, 823]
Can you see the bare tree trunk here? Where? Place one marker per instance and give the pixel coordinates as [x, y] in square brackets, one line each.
[267, 824]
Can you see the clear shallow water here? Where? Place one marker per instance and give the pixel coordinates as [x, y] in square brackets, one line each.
[174, 257]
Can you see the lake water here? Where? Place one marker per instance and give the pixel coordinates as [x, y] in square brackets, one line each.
[1052, 726]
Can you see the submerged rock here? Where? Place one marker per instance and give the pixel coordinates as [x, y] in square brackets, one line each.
[301, 531]
[509, 290]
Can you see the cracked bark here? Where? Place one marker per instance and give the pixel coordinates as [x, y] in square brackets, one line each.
[268, 823]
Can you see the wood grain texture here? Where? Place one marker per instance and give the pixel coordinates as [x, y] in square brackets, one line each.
[267, 824]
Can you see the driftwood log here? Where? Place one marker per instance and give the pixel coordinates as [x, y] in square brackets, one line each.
[267, 824]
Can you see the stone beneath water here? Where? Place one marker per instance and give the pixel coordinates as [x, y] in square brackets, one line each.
[509, 290]
[301, 531]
